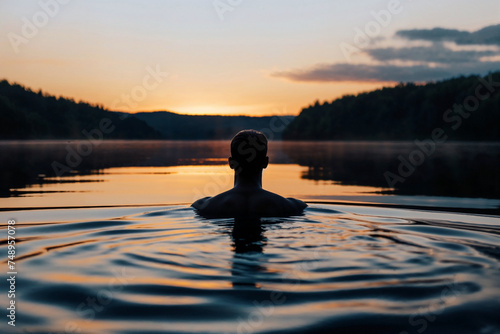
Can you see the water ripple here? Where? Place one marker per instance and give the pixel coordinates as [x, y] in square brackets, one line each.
[168, 271]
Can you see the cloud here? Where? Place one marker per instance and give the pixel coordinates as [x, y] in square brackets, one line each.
[489, 35]
[433, 35]
[425, 63]
[389, 73]
[436, 53]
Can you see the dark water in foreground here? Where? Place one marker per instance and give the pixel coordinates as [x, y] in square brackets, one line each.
[337, 269]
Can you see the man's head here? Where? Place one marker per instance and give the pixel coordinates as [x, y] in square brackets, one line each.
[248, 152]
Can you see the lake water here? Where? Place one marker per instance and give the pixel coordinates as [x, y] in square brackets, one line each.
[461, 176]
[112, 246]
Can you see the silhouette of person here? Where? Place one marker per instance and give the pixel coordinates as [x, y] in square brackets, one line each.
[247, 198]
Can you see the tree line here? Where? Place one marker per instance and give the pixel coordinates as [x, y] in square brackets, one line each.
[407, 111]
[26, 114]
[467, 108]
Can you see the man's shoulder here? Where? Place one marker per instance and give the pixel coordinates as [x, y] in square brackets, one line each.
[290, 205]
[224, 204]
[201, 203]
[297, 203]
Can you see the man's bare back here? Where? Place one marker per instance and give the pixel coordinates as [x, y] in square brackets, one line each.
[248, 203]
[247, 198]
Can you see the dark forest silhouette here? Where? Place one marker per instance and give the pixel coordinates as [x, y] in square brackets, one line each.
[176, 126]
[405, 112]
[26, 114]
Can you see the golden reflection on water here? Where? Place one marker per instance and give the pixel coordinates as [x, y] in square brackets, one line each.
[167, 185]
[163, 300]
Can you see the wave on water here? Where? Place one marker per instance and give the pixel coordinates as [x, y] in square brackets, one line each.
[336, 269]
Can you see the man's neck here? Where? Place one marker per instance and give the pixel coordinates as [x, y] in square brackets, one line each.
[248, 181]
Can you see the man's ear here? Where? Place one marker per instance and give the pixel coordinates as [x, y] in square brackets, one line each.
[231, 163]
[265, 163]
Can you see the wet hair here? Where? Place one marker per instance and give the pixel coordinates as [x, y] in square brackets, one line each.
[249, 149]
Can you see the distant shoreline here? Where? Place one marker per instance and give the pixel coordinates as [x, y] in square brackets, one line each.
[462, 109]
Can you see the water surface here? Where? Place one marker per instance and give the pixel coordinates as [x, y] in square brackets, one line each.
[337, 269]
[460, 176]
[111, 245]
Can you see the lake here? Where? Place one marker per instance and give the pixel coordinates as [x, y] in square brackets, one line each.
[106, 241]
[73, 174]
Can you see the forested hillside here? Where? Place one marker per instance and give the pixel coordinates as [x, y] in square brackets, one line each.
[466, 108]
[25, 114]
[176, 126]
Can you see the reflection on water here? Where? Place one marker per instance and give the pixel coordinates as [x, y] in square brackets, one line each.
[309, 170]
[337, 269]
[248, 244]
[453, 169]
[30, 162]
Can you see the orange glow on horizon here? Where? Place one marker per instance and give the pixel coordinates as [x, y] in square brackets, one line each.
[292, 98]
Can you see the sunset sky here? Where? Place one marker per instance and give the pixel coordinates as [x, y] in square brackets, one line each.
[251, 57]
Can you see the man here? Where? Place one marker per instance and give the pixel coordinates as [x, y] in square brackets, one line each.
[247, 198]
